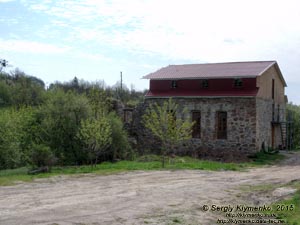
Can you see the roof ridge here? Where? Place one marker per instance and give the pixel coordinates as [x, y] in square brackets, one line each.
[213, 70]
[193, 64]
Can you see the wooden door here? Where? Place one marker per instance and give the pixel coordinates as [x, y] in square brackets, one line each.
[273, 136]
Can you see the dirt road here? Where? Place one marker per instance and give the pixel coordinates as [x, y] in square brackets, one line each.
[159, 197]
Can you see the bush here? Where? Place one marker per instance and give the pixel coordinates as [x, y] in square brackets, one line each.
[293, 113]
[42, 156]
[62, 115]
[96, 134]
[120, 147]
[10, 137]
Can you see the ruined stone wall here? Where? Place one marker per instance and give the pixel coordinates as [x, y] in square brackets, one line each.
[241, 126]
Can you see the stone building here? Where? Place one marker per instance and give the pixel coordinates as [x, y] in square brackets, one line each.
[238, 107]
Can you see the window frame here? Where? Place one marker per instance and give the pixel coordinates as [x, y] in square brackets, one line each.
[238, 83]
[204, 83]
[221, 125]
[174, 84]
[196, 129]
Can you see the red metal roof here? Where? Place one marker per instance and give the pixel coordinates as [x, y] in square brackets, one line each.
[211, 70]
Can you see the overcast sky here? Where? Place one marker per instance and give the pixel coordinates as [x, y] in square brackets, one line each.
[96, 39]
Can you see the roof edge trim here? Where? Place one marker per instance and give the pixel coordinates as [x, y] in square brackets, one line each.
[229, 96]
[202, 78]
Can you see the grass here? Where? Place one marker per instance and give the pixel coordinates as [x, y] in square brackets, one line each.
[291, 216]
[149, 162]
[262, 158]
[289, 209]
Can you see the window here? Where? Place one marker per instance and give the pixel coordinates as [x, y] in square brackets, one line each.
[196, 118]
[221, 125]
[238, 82]
[204, 83]
[174, 84]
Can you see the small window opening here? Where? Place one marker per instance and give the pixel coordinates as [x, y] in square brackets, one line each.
[238, 82]
[196, 118]
[174, 84]
[221, 125]
[204, 83]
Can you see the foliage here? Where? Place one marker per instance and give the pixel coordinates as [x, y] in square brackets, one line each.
[96, 134]
[20, 89]
[5, 94]
[35, 121]
[265, 158]
[113, 92]
[100, 102]
[120, 147]
[42, 156]
[18, 131]
[61, 118]
[294, 111]
[162, 122]
[10, 150]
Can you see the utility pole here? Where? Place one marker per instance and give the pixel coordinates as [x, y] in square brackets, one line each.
[121, 82]
[121, 87]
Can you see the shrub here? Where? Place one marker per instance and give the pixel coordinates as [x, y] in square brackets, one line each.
[42, 156]
[10, 136]
[96, 134]
[62, 115]
[120, 147]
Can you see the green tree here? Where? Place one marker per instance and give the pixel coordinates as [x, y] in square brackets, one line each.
[10, 139]
[19, 131]
[120, 147]
[41, 158]
[96, 134]
[19, 89]
[61, 118]
[99, 102]
[294, 113]
[26, 91]
[5, 94]
[162, 122]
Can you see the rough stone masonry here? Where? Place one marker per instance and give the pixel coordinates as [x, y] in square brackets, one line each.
[241, 138]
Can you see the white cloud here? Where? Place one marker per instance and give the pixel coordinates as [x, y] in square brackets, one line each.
[191, 29]
[176, 30]
[92, 56]
[30, 47]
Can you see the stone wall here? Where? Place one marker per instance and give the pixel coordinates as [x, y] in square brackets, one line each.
[264, 124]
[241, 127]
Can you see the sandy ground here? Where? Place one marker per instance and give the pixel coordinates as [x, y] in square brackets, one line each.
[159, 197]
